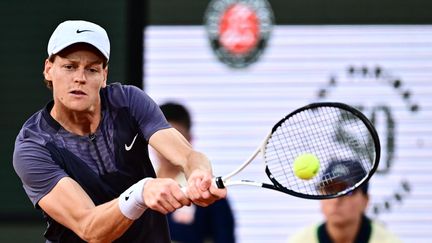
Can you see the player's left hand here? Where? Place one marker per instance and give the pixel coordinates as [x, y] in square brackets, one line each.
[201, 190]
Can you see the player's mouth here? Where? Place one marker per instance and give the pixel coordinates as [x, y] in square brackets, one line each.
[77, 92]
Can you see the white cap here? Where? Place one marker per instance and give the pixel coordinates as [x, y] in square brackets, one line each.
[78, 31]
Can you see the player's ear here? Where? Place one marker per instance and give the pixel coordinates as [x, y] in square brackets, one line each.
[47, 68]
[105, 74]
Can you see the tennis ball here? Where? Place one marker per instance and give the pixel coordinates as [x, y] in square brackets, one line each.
[306, 166]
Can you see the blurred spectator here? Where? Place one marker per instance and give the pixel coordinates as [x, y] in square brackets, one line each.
[194, 224]
[345, 219]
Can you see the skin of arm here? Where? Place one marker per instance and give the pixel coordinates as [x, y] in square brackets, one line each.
[69, 205]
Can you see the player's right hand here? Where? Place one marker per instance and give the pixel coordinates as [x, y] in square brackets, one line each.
[164, 195]
[200, 189]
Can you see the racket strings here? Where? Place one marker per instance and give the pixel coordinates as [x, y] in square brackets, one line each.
[329, 133]
[331, 179]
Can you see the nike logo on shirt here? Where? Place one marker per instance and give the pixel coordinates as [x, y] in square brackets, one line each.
[130, 146]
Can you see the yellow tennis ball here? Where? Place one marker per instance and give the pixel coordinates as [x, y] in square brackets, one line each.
[306, 166]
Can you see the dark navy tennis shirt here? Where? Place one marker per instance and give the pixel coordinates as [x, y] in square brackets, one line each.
[105, 163]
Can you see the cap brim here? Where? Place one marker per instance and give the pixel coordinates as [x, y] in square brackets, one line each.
[67, 44]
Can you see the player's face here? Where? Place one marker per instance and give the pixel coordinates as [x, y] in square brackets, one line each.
[77, 76]
[346, 209]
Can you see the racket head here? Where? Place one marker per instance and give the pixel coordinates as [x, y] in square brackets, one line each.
[340, 136]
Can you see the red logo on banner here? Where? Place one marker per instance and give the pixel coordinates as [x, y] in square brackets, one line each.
[238, 30]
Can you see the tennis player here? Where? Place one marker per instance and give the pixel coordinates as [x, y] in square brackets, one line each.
[83, 159]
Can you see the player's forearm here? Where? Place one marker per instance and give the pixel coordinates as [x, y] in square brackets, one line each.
[167, 169]
[196, 161]
[69, 204]
[176, 149]
[104, 223]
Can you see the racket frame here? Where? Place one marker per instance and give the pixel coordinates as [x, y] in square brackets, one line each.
[223, 181]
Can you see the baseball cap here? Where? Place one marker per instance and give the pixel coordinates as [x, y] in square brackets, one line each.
[78, 31]
[343, 173]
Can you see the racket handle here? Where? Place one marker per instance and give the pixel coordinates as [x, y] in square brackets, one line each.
[217, 182]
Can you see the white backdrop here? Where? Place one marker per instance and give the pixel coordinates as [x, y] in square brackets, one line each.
[385, 69]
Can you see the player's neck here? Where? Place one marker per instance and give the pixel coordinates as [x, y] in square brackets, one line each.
[80, 123]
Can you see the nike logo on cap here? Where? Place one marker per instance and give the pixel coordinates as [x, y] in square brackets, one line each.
[130, 146]
[80, 31]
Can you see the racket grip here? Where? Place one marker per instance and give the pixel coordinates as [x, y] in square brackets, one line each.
[219, 182]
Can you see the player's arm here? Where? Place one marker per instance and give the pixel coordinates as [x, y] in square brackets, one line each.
[166, 169]
[197, 167]
[69, 204]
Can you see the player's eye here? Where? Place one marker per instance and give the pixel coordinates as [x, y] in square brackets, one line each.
[68, 66]
[94, 69]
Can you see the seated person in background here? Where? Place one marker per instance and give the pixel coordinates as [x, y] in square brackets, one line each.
[194, 224]
[345, 219]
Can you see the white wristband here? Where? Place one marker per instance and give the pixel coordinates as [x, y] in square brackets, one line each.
[131, 201]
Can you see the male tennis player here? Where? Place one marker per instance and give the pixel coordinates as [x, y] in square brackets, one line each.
[83, 159]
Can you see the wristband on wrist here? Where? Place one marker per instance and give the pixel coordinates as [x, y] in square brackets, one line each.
[131, 201]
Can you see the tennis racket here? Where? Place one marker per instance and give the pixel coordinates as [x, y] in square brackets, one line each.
[340, 136]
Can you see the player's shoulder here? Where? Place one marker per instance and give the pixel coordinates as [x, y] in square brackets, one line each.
[381, 234]
[307, 234]
[31, 140]
[121, 95]
[123, 88]
[35, 129]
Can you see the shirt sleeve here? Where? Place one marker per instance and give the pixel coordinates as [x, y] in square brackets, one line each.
[38, 172]
[146, 112]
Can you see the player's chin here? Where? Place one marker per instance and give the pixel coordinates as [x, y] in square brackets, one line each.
[79, 106]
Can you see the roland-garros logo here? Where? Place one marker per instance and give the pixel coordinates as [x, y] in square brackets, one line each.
[238, 30]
